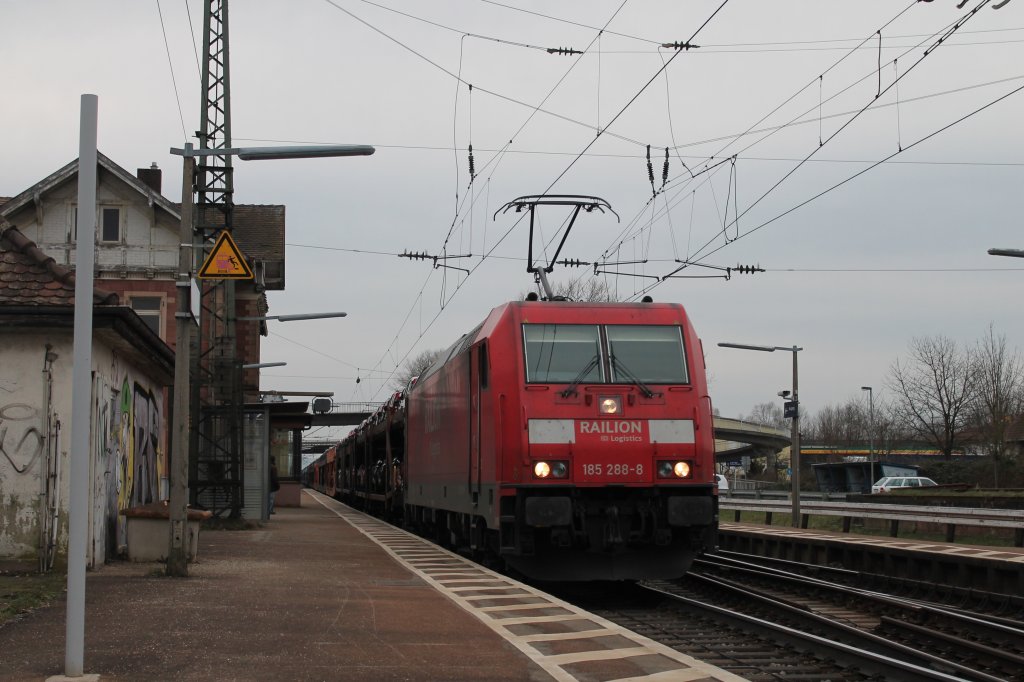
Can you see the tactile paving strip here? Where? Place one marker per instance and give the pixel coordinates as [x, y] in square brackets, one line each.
[568, 643]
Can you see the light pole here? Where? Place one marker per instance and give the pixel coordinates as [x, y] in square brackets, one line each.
[177, 552]
[792, 410]
[871, 434]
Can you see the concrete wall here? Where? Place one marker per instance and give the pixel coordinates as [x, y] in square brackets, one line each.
[127, 445]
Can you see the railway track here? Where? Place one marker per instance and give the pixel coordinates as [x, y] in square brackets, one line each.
[975, 643]
[766, 623]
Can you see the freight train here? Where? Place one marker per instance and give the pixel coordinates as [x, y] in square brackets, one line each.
[573, 441]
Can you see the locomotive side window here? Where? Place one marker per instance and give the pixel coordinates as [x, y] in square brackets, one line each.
[560, 353]
[652, 354]
[483, 365]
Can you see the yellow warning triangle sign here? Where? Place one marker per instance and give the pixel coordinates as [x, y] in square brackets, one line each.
[225, 261]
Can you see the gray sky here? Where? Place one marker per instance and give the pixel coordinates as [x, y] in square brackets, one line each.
[852, 276]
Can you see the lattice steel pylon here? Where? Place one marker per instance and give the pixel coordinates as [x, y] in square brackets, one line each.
[216, 465]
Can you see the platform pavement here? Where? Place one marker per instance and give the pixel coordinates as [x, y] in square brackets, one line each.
[305, 597]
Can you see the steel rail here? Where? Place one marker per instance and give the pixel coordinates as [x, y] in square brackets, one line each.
[996, 629]
[997, 626]
[883, 664]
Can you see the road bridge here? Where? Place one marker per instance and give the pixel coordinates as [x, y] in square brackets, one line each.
[736, 438]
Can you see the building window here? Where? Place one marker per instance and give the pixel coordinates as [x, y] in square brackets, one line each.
[148, 308]
[110, 224]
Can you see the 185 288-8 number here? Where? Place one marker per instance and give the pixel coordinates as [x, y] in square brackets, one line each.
[613, 469]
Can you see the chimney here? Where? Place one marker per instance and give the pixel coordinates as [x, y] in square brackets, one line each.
[151, 177]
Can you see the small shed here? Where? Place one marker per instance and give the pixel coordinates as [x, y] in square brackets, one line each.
[857, 476]
[273, 433]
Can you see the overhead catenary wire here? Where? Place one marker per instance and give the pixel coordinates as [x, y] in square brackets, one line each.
[778, 107]
[717, 45]
[486, 90]
[946, 31]
[496, 159]
[666, 198]
[850, 178]
[949, 30]
[855, 116]
[170, 65]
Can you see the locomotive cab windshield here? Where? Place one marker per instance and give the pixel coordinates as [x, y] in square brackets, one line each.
[596, 354]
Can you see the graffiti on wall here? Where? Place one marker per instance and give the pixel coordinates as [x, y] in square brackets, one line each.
[132, 447]
[21, 443]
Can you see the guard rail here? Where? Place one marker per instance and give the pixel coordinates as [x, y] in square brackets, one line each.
[951, 517]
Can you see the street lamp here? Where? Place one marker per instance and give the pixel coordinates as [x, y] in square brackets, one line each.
[291, 318]
[792, 411]
[261, 365]
[871, 433]
[1014, 253]
[177, 554]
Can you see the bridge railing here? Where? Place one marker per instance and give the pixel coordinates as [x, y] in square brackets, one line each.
[355, 407]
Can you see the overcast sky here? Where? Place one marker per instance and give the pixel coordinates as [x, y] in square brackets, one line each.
[851, 276]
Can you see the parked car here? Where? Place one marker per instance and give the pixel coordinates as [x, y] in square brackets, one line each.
[888, 483]
[722, 481]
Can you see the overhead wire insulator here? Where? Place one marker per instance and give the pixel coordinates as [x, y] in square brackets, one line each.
[650, 169]
[748, 269]
[679, 46]
[472, 165]
[563, 51]
[664, 169]
[573, 263]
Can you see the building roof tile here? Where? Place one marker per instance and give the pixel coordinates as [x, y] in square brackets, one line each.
[30, 277]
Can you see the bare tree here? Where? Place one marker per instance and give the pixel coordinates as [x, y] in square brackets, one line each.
[768, 414]
[840, 426]
[583, 290]
[414, 367]
[935, 390]
[1001, 390]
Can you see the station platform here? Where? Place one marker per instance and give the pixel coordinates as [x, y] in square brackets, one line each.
[994, 569]
[323, 592]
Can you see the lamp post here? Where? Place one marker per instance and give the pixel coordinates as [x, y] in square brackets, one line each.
[177, 554]
[792, 410]
[871, 434]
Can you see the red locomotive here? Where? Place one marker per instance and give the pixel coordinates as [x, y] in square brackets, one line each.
[573, 440]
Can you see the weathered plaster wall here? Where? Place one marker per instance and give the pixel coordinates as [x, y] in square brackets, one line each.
[127, 445]
[23, 440]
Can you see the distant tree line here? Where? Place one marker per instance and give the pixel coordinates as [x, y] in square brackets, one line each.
[951, 397]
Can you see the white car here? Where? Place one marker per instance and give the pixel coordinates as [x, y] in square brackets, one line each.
[722, 481]
[888, 483]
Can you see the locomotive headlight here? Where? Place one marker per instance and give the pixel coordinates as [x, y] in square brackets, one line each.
[551, 469]
[674, 469]
[611, 404]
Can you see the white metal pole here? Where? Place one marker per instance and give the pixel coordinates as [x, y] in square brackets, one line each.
[795, 444]
[871, 452]
[81, 389]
